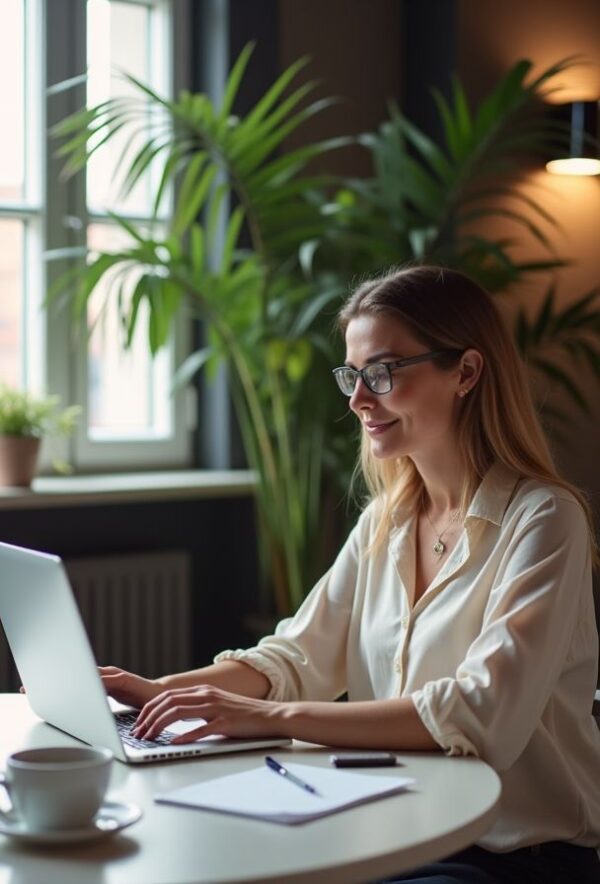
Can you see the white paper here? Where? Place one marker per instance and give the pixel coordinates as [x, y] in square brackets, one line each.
[265, 794]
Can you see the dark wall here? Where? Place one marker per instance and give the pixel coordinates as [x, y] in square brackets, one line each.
[219, 536]
[354, 52]
[429, 41]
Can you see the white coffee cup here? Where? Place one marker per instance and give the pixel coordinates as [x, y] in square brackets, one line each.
[56, 788]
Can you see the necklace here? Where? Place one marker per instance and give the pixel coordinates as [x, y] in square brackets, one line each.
[439, 547]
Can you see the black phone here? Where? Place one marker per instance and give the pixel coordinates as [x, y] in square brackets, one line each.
[364, 759]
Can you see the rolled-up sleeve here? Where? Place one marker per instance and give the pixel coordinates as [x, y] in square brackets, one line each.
[493, 703]
[306, 656]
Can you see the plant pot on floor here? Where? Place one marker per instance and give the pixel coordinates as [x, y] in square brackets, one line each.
[18, 460]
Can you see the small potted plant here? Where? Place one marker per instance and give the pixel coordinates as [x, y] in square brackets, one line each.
[24, 421]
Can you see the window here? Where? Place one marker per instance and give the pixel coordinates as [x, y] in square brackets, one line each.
[130, 416]
[127, 392]
[20, 197]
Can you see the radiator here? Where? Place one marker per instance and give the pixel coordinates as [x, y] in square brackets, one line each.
[136, 609]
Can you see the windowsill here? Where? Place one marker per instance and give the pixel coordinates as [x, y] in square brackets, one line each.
[67, 491]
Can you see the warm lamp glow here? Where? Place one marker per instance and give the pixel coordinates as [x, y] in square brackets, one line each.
[574, 166]
[577, 125]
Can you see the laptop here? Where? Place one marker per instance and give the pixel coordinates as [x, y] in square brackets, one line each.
[56, 665]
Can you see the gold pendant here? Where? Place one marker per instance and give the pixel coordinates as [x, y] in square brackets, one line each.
[439, 547]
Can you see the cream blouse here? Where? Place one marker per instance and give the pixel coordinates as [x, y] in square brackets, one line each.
[500, 654]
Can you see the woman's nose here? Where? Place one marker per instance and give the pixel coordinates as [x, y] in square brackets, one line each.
[361, 397]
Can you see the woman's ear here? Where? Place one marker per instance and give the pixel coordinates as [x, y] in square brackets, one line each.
[471, 365]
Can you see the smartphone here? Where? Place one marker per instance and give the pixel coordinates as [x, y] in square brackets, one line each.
[364, 759]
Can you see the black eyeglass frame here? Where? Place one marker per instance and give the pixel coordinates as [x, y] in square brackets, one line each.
[390, 367]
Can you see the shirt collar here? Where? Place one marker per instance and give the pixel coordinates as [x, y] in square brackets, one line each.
[494, 493]
[489, 503]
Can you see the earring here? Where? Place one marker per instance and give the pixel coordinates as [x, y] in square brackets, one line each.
[462, 393]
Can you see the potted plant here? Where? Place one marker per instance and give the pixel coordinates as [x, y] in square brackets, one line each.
[24, 421]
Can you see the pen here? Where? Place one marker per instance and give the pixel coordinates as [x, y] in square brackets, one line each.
[280, 769]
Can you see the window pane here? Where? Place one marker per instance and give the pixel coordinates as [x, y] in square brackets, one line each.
[11, 301]
[118, 41]
[12, 53]
[128, 393]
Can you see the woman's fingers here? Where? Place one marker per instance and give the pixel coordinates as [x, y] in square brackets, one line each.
[167, 717]
[115, 682]
[224, 713]
[166, 708]
[126, 687]
[111, 675]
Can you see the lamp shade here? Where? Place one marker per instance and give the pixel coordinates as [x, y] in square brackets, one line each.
[578, 153]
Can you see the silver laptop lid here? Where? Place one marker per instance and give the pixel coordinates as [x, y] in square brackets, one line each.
[51, 648]
[56, 664]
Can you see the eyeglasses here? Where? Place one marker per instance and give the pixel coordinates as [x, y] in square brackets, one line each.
[378, 375]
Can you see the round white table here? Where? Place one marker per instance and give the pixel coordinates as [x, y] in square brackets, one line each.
[452, 804]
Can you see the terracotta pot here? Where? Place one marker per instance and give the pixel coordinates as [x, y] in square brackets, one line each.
[18, 460]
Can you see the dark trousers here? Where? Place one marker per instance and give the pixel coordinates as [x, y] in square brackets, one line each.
[555, 862]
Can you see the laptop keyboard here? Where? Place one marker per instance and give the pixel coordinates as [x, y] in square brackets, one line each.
[126, 721]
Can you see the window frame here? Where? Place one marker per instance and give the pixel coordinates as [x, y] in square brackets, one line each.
[29, 208]
[64, 221]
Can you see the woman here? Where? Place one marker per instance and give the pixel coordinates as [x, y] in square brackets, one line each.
[459, 613]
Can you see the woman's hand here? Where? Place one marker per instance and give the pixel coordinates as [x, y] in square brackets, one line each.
[127, 688]
[224, 713]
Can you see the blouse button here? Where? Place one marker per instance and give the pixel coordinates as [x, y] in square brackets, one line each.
[404, 622]
[398, 666]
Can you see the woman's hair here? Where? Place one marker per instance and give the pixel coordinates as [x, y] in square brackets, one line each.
[497, 421]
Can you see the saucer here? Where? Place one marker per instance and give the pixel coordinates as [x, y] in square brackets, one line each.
[111, 818]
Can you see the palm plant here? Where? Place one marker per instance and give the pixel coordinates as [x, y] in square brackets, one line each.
[556, 339]
[426, 202]
[262, 316]
[429, 203]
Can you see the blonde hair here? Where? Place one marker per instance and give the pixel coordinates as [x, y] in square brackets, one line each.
[497, 422]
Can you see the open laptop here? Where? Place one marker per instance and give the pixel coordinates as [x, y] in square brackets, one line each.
[57, 668]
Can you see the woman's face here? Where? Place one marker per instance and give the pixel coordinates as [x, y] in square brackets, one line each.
[416, 418]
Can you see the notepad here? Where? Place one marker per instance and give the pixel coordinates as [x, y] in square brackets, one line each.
[264, 795]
